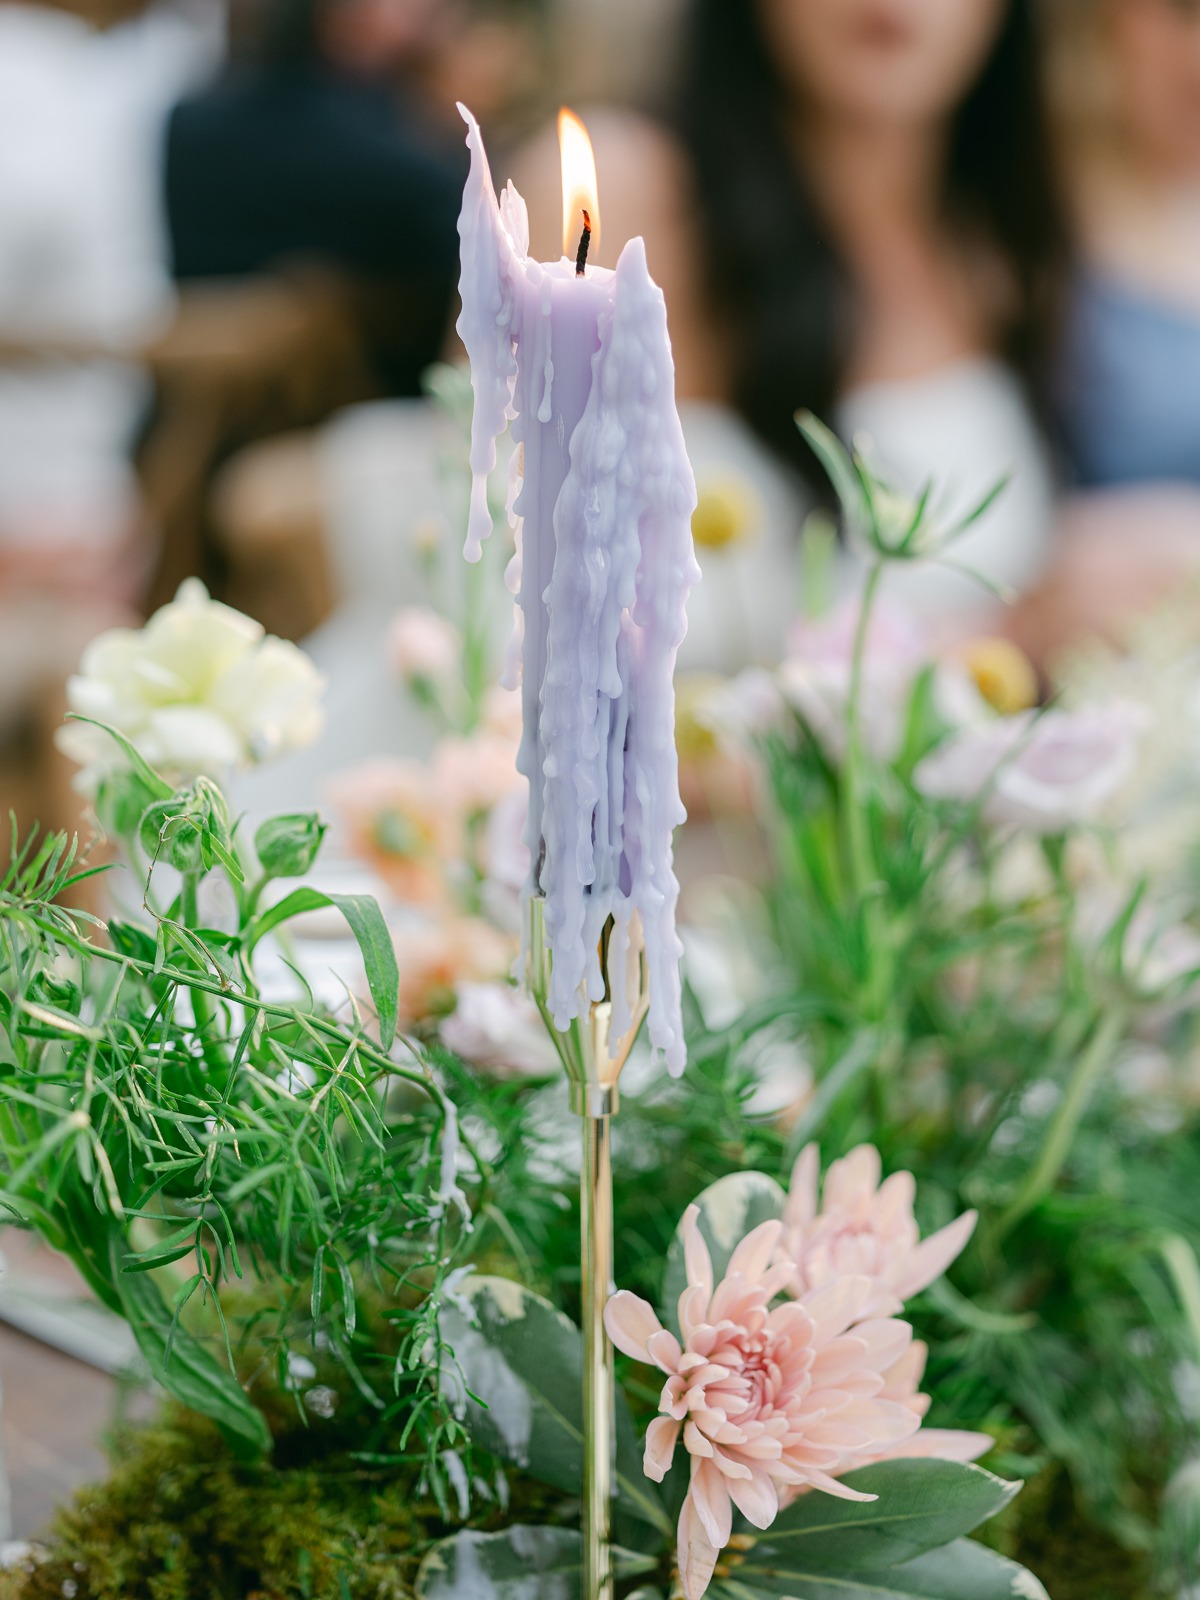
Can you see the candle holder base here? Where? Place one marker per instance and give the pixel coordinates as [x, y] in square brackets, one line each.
[593, 1067]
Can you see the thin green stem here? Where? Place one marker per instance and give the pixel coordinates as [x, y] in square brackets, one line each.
[857, 837]
[1045, 1171]
[203, 1010]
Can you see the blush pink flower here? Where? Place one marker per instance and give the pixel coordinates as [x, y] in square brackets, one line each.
[395, 818]
[861, 1225]
[902, 1383]
[768, 1398]
[424, 646]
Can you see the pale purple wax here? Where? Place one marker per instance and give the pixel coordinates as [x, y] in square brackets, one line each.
[582, 367]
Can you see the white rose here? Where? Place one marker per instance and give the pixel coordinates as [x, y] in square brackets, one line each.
[496, 1025]
[198, 691]
[1043, 772]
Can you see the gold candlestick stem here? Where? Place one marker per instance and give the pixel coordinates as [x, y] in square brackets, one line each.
[593, 1068]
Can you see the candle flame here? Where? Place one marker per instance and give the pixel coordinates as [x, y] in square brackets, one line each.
[578, 183]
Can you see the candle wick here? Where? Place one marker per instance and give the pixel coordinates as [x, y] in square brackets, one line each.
[585, 239]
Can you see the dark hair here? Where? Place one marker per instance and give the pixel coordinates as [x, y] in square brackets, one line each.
[771, 263]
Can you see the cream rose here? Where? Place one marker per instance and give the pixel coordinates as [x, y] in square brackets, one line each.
[198, 691]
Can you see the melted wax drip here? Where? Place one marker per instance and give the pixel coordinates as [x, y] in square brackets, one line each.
[602, 579]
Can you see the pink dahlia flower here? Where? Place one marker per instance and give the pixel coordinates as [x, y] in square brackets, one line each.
[863, 1226]
[768, 1399]
[902, 1383]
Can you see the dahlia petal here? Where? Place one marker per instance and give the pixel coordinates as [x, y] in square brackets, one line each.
[905, 1374]
[661, 1438]
[853, 1180]
[894, 1205]
[664, 1350]
[840, 1358]
[822, 1480]
[694, 1441]
[886, 1341]
[696, 1553]
[777, 1278]
[841, 1436]
[696, 1258]
[711, 1500]
[753, 1255]
[933, 1255]
[836, 1305]
[631, 1321]
[729, 1466]
[801, 1205]
[756, 1498]
[887, 1421]
[942, 1444]
[693, 1305]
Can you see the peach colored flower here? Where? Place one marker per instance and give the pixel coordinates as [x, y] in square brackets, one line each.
[767, 1399]
[397, 820]
[496, 1026]
[863, 1226]
[502, 713]
[423, 646]
[902, 1383]
[439, 956]
[473, 773]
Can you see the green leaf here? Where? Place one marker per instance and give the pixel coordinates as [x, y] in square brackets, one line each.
[521, 1563]
[367, 924]
[369, 927]
[963, 1570]
[520, 1357]
[172, 1247]
[729, 1209]
[833, 456]
[921, 1504]
[190, 1374]
[158, 786]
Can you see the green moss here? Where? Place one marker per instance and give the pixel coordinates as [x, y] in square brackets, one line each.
[1044, 1529]
[180, 1519]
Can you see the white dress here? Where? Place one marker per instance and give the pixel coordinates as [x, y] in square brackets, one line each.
[964, 427]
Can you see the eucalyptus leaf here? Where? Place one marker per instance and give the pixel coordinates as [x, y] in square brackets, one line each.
[520, 1357]
[963, 1570]
[729, 1209]
[521, 1563]
[921, 1505]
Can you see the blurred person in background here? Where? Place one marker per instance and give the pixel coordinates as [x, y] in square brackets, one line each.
[84, 280]
[854, 209]
[1126, 87]
[84, 285]
[321, 147]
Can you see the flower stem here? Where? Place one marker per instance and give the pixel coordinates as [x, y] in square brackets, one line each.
[1044, 1173]
[863, 873]
[203, 1009]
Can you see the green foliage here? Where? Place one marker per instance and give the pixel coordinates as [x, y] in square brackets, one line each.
[287, 846]
[192, 1146]
[969, 1030]
[523, 1360]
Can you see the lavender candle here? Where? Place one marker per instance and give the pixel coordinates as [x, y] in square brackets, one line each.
[580, 362]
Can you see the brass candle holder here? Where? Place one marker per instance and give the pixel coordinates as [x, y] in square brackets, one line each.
[593, 1066]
